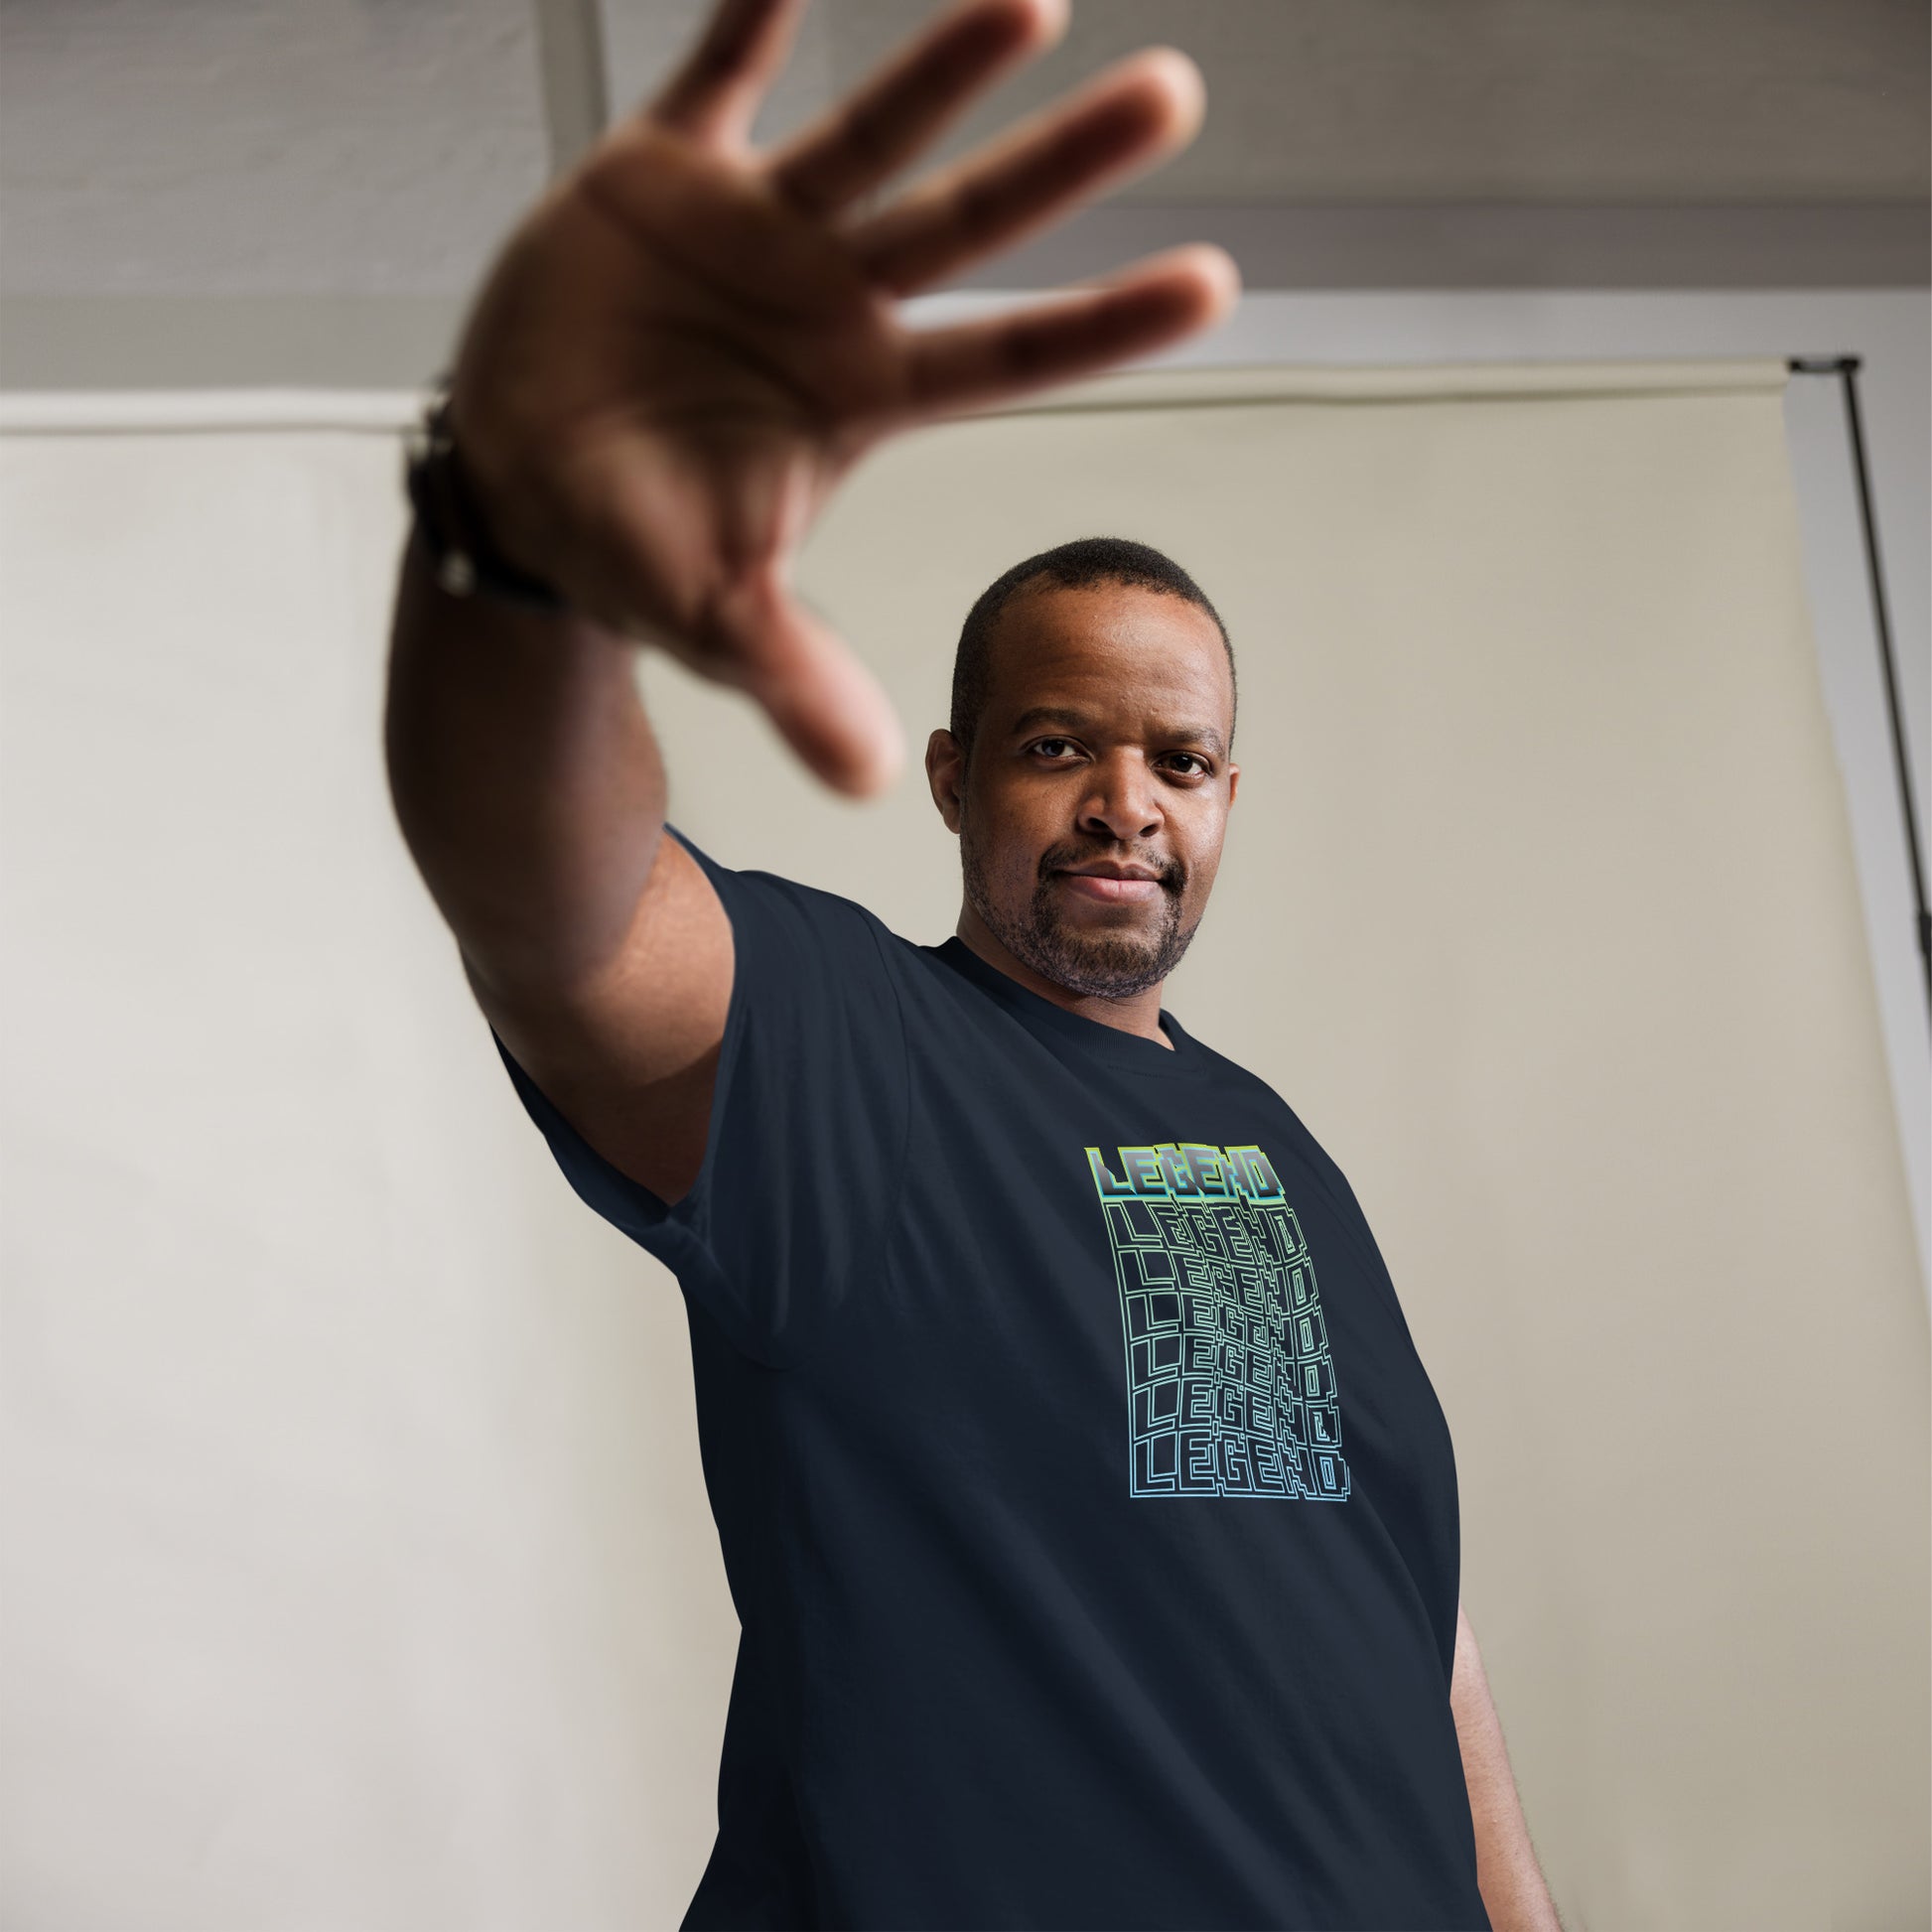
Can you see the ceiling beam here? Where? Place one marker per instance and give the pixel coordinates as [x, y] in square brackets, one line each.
[1501, 245]
[576, 77]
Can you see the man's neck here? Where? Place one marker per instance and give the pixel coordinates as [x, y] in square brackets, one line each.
[1139, 1012]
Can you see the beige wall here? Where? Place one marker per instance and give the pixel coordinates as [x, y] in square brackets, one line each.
[360, 1567]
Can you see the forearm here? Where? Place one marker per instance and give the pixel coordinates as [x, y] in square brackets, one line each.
[525, 778]
[1507, 1873]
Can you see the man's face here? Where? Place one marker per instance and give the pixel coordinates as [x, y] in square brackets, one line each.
[1091, 812]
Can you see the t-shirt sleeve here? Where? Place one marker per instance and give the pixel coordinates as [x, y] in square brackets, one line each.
[792, 1208]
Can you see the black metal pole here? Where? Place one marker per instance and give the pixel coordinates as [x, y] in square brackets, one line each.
[1845, 369]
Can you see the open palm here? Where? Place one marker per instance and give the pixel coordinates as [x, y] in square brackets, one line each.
[687, 342]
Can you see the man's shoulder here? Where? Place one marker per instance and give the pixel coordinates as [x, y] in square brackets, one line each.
[802, 948]
[1300, 1137]
[801, 907]
[1231, 1073]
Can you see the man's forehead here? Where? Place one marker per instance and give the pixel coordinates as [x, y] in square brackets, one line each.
[1105, 607]
[1108, 641]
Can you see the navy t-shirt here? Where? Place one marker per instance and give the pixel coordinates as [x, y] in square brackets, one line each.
[1089, 1516]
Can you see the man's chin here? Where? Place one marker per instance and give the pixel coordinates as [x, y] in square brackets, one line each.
[1103, 965]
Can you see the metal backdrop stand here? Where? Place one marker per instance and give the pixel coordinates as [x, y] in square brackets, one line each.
[1845, 369]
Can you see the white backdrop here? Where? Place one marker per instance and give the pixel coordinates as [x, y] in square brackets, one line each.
[358, 1567]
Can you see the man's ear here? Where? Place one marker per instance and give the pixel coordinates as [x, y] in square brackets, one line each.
[945, 774]
[1234, 778]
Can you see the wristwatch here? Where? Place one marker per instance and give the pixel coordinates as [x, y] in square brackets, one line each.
[465, 561]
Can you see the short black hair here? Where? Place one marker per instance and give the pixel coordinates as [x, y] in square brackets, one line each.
[1067, 565]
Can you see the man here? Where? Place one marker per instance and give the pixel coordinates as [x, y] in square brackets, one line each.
[1090, 1519]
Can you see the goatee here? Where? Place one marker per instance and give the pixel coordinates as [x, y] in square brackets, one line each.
[1107, 965]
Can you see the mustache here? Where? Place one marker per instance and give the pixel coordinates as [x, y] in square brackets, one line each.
[1171, 874]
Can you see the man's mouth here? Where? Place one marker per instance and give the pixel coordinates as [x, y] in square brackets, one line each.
[1111, 885]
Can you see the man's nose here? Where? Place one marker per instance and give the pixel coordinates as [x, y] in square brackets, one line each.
[1123, 802]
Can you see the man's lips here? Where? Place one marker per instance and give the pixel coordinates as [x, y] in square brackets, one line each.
[1108, 890]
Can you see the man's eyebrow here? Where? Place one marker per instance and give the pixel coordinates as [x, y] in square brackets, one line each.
[1050, 714]
[1070, 718]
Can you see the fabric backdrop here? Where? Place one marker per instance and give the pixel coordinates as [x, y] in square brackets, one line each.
[357, 1558]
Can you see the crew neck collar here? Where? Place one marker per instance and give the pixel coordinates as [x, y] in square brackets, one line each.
[1131, 1052]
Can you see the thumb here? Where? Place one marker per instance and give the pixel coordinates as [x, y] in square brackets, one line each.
[828, 707]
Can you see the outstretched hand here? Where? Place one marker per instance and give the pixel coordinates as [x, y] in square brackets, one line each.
[686, 343]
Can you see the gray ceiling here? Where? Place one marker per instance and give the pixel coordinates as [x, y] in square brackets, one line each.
[177, 147]
[355, 154]
[1475, 100]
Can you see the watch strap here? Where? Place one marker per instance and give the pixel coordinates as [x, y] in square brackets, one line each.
[464, 558]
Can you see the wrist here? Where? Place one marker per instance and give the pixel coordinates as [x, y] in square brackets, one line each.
[449, 522]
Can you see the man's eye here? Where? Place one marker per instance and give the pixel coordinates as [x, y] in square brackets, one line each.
[1047, 745]
[1194, 758]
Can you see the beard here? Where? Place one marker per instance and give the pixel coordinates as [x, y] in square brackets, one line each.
[1108, 965]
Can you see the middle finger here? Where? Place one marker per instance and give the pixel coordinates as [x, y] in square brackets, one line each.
[904, 106]
[1139, 112]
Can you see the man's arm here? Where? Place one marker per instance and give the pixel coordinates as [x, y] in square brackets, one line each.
[530, 790]
[1507, 1872]
[677, 354]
